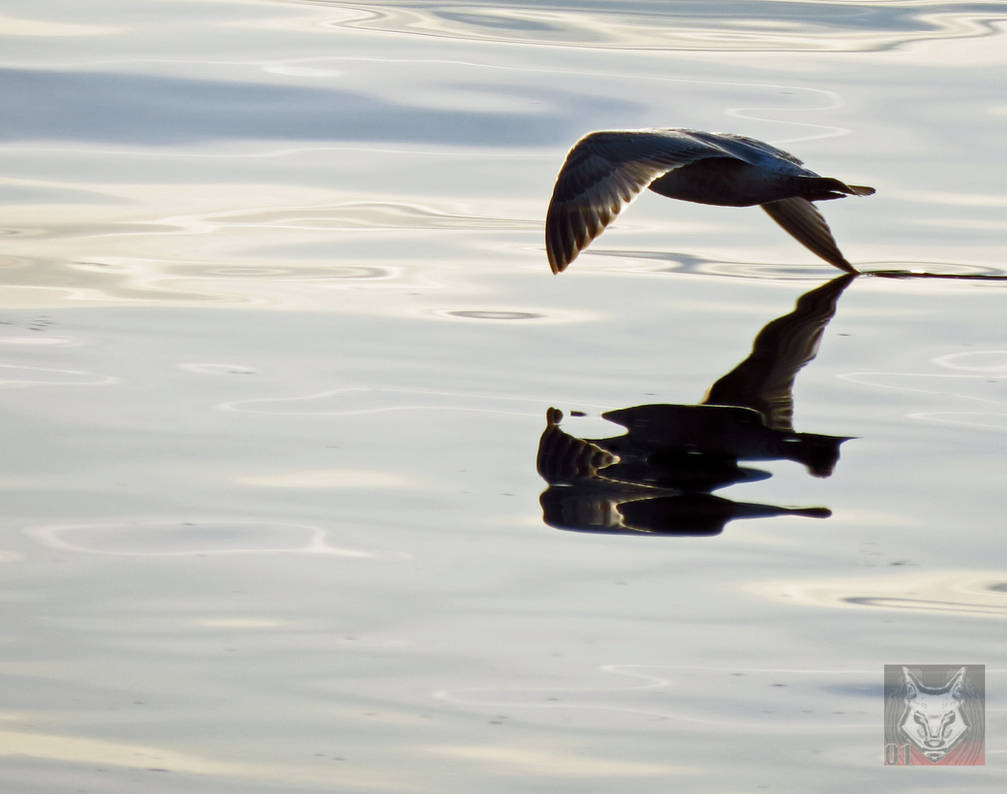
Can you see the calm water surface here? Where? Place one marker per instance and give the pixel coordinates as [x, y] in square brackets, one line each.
[281, 360]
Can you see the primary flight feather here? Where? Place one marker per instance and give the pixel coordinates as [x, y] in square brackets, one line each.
[605, 171]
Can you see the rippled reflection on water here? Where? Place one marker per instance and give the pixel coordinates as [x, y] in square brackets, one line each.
[734, 27]
[972, 593]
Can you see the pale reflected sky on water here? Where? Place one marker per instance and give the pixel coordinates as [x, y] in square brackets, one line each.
[277, 342]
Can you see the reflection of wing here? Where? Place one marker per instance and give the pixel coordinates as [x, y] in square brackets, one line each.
[765, 380]
[802, 220]
[583, 508]
[604, 172]
[563, 458]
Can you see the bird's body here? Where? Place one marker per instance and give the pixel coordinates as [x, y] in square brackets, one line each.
[606, 170]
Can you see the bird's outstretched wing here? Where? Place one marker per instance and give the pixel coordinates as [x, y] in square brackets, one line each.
[802, 220]
[604, 172]
[748, 149]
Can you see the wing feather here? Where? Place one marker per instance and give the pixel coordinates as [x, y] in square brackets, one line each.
[741, 143]
[604, 172]
[802, 220]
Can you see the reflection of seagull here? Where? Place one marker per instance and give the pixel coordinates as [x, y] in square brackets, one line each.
[659, 475]
[606, 170]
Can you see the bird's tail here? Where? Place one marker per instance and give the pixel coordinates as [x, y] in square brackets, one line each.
[823, 188]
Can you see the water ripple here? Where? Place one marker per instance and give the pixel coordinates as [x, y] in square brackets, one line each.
[973, 593]
[189, 538]
[362, 400]
[17, 375]
[682, 695]
[809, 26]
[508, 314]
[979, 388]
[359, 215]
[677, 262]
[217, 369]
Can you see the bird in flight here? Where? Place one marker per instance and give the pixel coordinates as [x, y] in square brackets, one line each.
[605, 171]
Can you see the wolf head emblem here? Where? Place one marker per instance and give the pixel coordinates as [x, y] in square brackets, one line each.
[933, 719]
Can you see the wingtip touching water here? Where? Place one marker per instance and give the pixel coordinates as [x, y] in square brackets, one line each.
[605, 171]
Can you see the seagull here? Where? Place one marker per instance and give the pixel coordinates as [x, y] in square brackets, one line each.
[605, 171]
